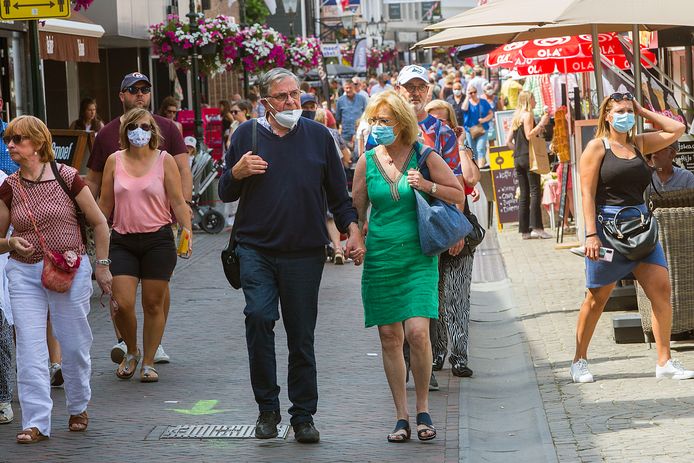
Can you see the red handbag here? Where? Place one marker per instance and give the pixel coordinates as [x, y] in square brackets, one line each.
[59, 269]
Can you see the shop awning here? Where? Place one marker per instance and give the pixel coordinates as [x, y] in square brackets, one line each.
[76, 39]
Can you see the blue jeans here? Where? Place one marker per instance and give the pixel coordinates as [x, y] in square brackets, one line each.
[478, 145]
[293, 282]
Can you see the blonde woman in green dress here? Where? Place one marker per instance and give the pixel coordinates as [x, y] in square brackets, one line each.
[399, 283]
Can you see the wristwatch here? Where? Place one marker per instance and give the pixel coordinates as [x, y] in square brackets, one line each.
[105, 262]
[433, 189]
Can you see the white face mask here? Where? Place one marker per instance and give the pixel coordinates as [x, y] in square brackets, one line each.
[457, 92]
[139, 137]
[287, 119]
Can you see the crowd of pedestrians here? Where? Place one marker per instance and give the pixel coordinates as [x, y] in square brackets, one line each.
[308, 178]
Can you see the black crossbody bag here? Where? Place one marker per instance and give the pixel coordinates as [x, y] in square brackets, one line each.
[230, 259]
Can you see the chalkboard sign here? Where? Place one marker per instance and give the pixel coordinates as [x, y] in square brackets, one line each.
[685, 157]
[70, 146]
[585, 132]
[505, 183]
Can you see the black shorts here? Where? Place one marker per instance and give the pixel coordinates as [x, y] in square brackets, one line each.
[148, 256]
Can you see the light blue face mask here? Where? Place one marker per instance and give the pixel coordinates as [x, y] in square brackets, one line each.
[139, 137]
[623, 122]
[383, 134]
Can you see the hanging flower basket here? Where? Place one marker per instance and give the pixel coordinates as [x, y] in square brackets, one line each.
[261, 48]
[304, 53]
[215, 38]
[82, 4]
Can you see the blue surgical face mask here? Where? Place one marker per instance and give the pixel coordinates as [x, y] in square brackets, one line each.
[139, 137]
[623, 122]
[383, 134]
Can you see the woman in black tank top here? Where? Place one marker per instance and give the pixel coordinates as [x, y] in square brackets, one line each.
[614, 175]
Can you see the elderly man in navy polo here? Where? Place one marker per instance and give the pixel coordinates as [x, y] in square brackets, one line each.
[283, 189]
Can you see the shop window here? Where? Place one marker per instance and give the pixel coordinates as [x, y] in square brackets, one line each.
[394, 11]
[430, 11]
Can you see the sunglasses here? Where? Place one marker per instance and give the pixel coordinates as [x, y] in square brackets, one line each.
[234, 112]
[134, 90]
[16, 139]
[622, 96]
[144, 126]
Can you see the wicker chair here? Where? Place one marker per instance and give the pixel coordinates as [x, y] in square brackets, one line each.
[676, 225]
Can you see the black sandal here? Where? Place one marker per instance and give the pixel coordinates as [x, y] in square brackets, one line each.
[424, 419]
[397, 437]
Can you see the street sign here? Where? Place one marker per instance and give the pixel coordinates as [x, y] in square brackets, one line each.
[35, 9]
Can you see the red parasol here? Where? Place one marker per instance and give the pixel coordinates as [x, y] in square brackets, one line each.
[564, 54]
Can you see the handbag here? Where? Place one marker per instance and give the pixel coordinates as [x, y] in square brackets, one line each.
[59, 269]
[477, 131]
[538, 157]
[476, 235]
[230, 258]
[440, 224]
[633, 237]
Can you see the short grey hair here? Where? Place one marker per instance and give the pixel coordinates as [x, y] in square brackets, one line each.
[273, 76]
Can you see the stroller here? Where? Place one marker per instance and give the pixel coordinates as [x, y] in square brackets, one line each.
[205, 169]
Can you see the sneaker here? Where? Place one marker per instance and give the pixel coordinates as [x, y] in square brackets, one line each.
[6, 414]
[460, 370]
[118, 352]
[433, 384]
[673, 369]
[438, 362]
[306, 433]
[160, 356]
[541, 234]
[56, 375]
[580, 372]
[527, 236]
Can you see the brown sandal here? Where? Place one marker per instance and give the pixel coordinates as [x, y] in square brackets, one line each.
[81, 419]
[34, 433]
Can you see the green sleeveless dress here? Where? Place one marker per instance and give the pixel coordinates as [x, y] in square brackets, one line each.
[398, 281]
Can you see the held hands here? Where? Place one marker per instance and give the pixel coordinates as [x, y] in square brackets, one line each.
[21, 246]
[592, 248]
[249, 164]
[355, 248]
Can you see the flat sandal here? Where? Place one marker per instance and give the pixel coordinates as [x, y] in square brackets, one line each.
[131, 371]
[396, 436]
[34, 433]
[82, 419]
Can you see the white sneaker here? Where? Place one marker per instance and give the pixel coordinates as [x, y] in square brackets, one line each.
[56, 373]
[118, 352]
[673, 369]
[580, 372]
[160, 356]
[6, 414]
[543, 235]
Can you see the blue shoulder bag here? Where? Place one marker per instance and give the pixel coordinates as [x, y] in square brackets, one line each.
[441, 225]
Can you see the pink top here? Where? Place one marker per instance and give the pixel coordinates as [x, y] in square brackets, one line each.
[141, 204]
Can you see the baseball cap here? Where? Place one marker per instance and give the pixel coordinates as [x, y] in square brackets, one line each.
[412, 71]
[133, 78]
[190, 141]
[307, 98]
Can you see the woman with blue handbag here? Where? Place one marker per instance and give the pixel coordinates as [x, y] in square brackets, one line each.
[400, 282]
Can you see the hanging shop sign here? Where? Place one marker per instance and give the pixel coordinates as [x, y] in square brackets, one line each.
[68, 47]
[33, 9]
[71, 146]
[685, 155]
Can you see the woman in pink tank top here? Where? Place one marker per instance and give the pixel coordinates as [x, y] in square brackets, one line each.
[140, 187]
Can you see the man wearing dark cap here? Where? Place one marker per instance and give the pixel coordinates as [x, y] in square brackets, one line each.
[135, 92]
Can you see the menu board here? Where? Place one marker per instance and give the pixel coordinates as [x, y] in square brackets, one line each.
[505, 183]
[72, 147]
[685, 156]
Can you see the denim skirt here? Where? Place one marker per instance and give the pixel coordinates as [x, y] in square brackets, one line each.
[600, 273]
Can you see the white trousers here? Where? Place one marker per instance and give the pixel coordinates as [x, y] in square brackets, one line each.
[31, 303]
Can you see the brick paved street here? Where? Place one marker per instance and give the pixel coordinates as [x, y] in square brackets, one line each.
[519, 406]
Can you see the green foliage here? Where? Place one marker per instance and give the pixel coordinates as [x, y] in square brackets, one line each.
[256, 12]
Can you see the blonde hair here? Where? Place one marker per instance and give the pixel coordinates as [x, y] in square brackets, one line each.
[603, 130]
[320, 116]
[402, 110]
[440, 104]
[132, 117]
[523, 105]
[36, 131]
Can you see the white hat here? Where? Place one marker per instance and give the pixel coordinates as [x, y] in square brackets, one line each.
[190, 141]
[412, 71]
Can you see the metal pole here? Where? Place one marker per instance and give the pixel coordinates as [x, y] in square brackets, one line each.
[303, 18]
[637, 73]
[37, 92]
[242, 19]
[596, 63]
[195, 77]
[316, 6]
